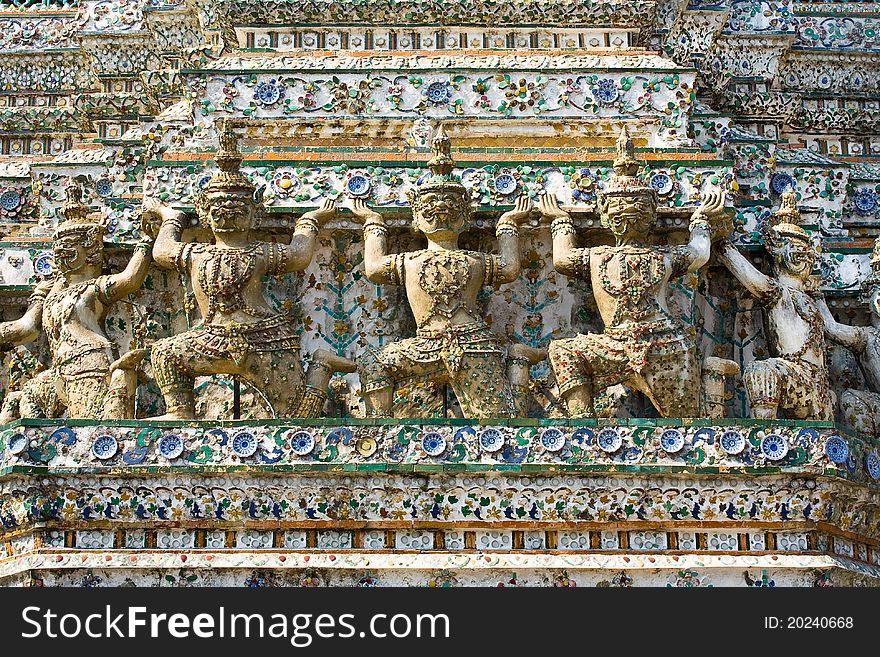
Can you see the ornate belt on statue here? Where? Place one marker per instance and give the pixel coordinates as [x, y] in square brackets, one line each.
[80, 351]
[638, 339]
[458, 340]
[277, 333]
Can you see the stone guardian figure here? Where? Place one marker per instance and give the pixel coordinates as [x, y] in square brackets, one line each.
[85, 380]
[644, 346]
[794, 383]
[860, 409]
[453, 343]
[240, 333]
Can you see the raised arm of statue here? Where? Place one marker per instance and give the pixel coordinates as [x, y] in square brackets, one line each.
[567, 259]
[168, 246]
[851, 337]
[118, 286]
[379, 266]
[704, 220]
[26, 328]
[759, 284]
[508, 261]
[305, 234]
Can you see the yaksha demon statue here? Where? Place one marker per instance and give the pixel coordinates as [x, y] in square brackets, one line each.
[644, 346]
[240, 333]
[860, 409]
[84, 379]
[794, 383]
[453, 344]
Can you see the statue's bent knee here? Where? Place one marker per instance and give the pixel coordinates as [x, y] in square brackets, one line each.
[374, 375]
[170, 370]
[761, 380]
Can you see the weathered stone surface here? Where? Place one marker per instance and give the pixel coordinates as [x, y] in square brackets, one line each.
[484, 476]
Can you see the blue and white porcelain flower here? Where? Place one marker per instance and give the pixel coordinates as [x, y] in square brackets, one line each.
[865, 201]
[10, 200]
[781, 181]
[358, 185]
[606, 91]
[872, 464]
[552, 439]
[17, 443]
[302, 442]
[104, 187]
[662, 182]
[774, 447]
[732, 442]
[433, 443]
[105, 447]
[491, 439]
[170, 446]
[268, 92]
[672, 440]
[438, 93]
[44, 264]
[837, 449]
[609, 440]
[244, 444]
[505, 184]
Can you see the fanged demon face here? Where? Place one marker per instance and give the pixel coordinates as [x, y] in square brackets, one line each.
[798, 257]
[442, 212]
[628, 216]
[73, 252]
[229, 213]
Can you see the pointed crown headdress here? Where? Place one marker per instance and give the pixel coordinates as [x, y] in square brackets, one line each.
[625, 182]
[441, 165]
[76, 217]
[229, 179]
[785, 222]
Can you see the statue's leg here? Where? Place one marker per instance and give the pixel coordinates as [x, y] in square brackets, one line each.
[39, 397]
[860, 411]
[818, 390]
[81, 384]
[324, 363]
[673, 383]
[377, 383]
[714, 374]
[380, 369]
[279, 376]
[573, 376]
[482, 388]
[11, 405]
[520, 358]
[764, 384]
[85, 396]
[120, 400]
[174, 360]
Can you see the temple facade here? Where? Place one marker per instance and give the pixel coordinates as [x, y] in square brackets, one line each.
[439, 293]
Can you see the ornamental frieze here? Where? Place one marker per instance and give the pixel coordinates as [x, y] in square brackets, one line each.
[726, 447]
[228, 13]
[509, 499]
[466, 93]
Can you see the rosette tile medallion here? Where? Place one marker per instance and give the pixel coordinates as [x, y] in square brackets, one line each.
[538, 293]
